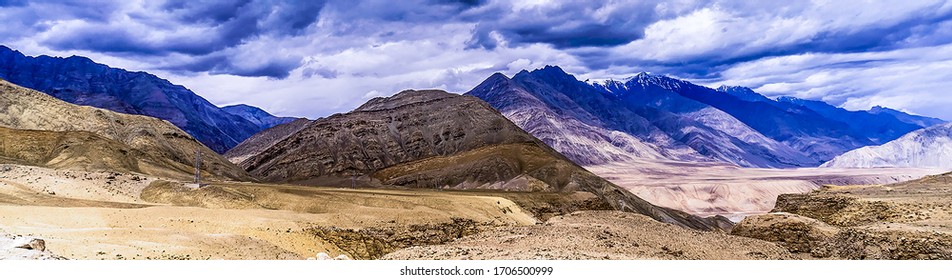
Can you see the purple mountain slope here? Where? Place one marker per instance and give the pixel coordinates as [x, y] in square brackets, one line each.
[878, 128]
[595, 124]
[81, 81]
[657, 117]
[804, 130]
[906, 117]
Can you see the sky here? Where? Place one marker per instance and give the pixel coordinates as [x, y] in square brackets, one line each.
[316, 58]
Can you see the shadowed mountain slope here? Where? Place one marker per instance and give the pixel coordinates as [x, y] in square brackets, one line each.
[264, 139]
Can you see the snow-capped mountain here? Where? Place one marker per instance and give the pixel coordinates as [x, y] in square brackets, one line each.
[819, 130]
[818, 137]
[657, 117]
[928, 148]
[576, 133]
[722, 136]
[639, 118]
[744, 93]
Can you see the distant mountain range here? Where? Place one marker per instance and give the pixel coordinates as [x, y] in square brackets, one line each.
[652, 116]
[257, 116]
[928, 147]
[81, 81]
[263, 140]
[643, 117]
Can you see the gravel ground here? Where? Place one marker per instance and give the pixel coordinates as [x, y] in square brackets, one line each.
[596, 235]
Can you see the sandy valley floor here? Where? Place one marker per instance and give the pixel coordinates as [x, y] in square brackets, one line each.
[715, 189]
[100, 224]
[87, 215]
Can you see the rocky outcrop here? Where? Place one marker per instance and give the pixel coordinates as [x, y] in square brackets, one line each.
[910, 220]
[820, 240]
[263, 140]
[796, 233]
[596, 235]
[24, 248]
[373, 243]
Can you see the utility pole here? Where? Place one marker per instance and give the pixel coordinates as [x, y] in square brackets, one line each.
[198, 168]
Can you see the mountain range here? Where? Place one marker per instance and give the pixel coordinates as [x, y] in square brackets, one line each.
[81, 81]
[658, 117]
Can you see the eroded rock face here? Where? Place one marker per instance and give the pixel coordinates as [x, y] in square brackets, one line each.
[910, 220]
[820, 240]
[590, 235]
[434, 139]
[796, 233]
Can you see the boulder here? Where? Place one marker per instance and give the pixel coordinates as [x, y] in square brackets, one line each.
[796, 233]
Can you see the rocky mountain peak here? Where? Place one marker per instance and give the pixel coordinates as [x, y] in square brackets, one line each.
[743, 93]
[403, 98]
[553, 73]
[645, 79]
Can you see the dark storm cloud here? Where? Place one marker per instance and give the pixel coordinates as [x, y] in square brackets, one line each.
[202, 30]
[225, 63]
[28, 18]
[921, 29]
[568, 24]
[12, 3]
[816, 48]
[380, 14]
[223, 24]
[208, 12]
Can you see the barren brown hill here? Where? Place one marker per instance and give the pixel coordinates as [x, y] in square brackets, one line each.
[434, 139]
[172, 151]
[79, 150]
[264, 139]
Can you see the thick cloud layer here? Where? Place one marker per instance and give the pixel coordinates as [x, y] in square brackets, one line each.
[314, 58]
